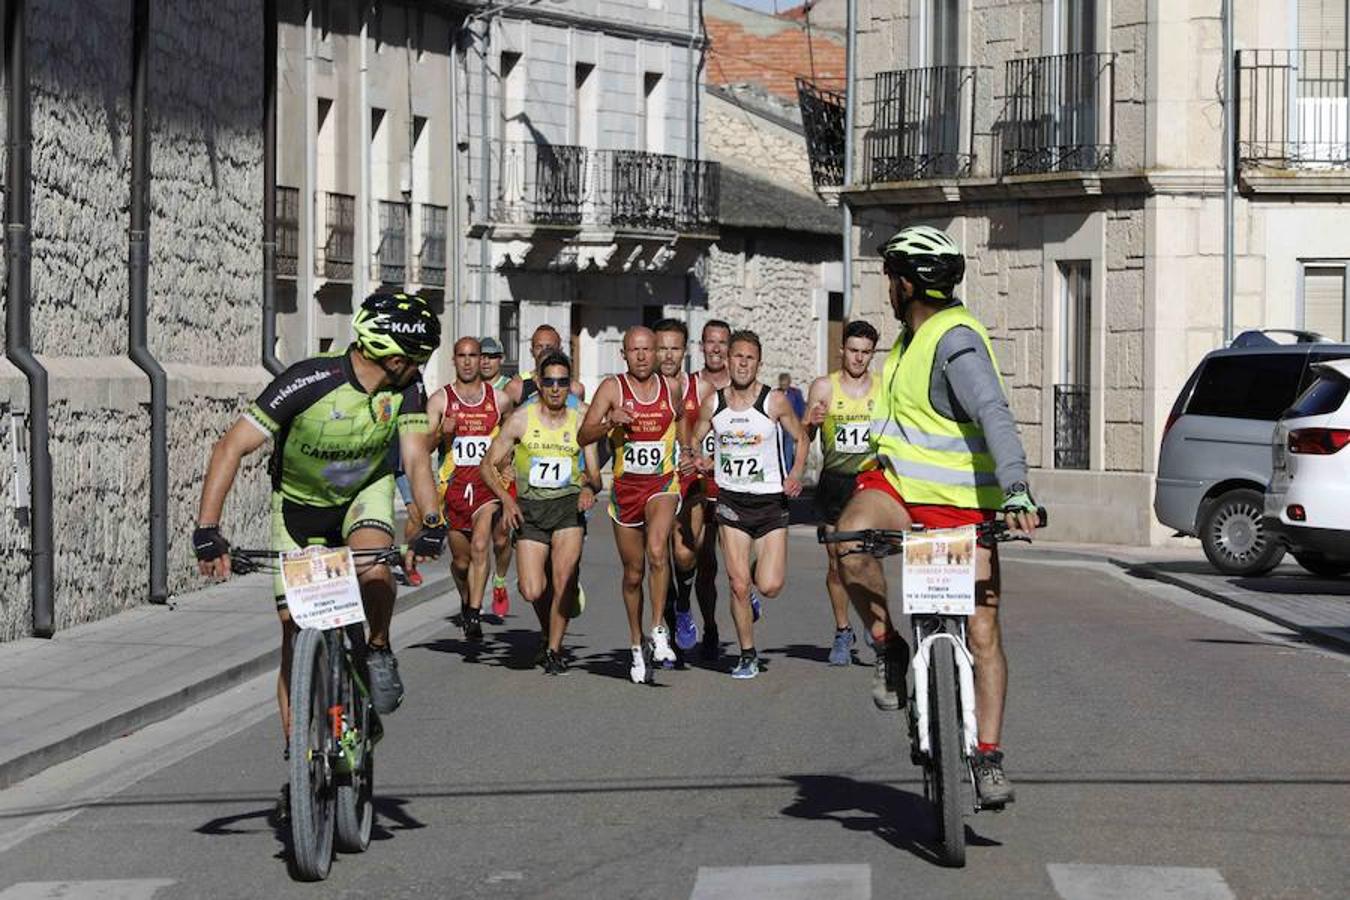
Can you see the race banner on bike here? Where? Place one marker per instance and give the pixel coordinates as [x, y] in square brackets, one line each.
[321, 588]
[939, 572]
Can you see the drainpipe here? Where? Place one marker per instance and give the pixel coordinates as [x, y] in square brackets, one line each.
[18, 312]
[850, 85]
[362, 256]
[454, 250]
[304, 276]
[138, 265]
[269, 243]
[485, 176]
[1229, 175]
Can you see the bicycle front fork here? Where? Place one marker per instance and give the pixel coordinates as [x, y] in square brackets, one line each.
[929, 631]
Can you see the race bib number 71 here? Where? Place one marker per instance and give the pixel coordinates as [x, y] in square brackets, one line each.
[550, 471]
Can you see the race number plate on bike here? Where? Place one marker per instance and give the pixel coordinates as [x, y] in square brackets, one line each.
[939, 572]
[321, 588]
[852, 437]
[469, 451]
[550, 471]
[643, 457]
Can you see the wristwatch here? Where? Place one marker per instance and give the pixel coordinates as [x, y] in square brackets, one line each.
[433, 520]
[1017, 487]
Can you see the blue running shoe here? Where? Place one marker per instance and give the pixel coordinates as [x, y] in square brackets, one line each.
[686, 632]
[747, 667]
[754, 604]
[841, 654]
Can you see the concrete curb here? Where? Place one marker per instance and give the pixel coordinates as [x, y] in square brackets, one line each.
[155, 709]
[1141, 569]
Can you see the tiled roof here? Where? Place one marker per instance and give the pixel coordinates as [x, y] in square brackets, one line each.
[769, 51]
[748, 201]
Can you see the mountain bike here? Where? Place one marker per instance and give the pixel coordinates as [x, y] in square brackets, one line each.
[334, 728]
[941, 707]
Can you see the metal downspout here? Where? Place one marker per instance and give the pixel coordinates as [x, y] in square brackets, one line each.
[18, 312]
[485, 175]
[138, 264]
[850, 90]
[454, 240]
[269, 243]
[1229, 148]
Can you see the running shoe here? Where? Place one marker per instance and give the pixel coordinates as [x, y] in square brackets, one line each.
[554, 664]
[501, 600]
[686, 632]
[661, 649]
[888, 676]
[746, 667]
[754, 604]
[991, 784]
[473, 625]
[841, 654]
[386, 687]
[540, 653]
[712, 643]
[638, 670]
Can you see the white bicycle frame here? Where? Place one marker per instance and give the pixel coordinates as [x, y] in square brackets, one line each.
[965, 676]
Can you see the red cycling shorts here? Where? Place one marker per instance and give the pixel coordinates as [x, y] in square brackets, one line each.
[928, 515]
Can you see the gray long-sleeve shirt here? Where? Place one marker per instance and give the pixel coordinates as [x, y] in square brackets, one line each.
[964, 387]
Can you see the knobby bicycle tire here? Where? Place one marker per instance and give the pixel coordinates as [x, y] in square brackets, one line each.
[312, 794]
[355, 792]
[946, 740]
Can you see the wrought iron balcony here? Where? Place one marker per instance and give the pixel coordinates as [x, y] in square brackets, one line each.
[339, 238]
[1293, 109]
[923, 125]
[1072, 418]
[1060, 114]
[288, 230]
[538, 184]
[823, 120]
[431, 255]
[656, 191]
[391, 255]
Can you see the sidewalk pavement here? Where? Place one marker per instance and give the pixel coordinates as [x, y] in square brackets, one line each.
[93, 683]
[90, 684]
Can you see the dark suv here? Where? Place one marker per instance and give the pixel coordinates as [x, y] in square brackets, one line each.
[1215, 460]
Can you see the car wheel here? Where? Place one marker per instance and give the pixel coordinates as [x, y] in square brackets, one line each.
[1318, 564]
[1233, 538]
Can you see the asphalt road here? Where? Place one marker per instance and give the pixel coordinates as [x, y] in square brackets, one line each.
[1162, 745]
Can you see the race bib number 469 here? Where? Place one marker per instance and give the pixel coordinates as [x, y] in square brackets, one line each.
[643, 457]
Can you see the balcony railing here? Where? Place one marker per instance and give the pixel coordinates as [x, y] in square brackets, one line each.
[1059, 115]
[391, 256]
[431, 255]
[339, 245]
[1072, 417]
[823, 120]
[1293, 108]
[288, 231]
[923, 125]
[538, 184]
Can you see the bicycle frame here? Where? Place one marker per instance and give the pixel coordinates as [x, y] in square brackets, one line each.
[965, 665]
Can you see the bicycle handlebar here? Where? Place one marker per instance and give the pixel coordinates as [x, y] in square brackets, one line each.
[881, 542]
[244, 561]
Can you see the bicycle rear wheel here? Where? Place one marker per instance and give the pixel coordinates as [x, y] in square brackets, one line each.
[312, 788]
[355, 790]
[945, 734]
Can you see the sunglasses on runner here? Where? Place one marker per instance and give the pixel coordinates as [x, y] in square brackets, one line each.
[555, 382]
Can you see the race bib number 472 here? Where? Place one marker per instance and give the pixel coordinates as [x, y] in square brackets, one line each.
[740, 469]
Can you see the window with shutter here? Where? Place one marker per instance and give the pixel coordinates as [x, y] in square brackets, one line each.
[1324, 300]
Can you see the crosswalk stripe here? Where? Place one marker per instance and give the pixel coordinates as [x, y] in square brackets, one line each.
[1075, 881]
[838, 882]
[129, 889]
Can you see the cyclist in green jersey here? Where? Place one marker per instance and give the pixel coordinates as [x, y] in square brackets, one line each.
[331, 420]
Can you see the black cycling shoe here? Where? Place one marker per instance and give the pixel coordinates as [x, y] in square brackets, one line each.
[554, 664]
[473, 625]
[386, 687]
[991, 784]
[281, 812]
[540, 653]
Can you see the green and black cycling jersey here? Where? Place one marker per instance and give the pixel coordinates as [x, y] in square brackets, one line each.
[332, 438]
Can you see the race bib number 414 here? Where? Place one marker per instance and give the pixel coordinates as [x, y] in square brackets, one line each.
[852, 437]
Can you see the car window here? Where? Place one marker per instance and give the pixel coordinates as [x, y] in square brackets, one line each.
[1248, 386]
[1324, 395]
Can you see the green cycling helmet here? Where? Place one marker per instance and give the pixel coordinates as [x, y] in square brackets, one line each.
[927, 257]
[397, 325]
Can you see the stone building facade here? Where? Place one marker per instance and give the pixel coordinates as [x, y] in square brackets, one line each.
[1074, 148]
[205, 90]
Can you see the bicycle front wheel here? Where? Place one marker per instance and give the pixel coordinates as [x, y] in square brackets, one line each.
[355, 790]
[312, 788]
[945, 733]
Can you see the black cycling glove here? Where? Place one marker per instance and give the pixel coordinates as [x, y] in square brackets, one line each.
[208, 543]
[430, 541]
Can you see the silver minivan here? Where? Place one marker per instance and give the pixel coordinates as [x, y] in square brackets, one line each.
[1215, 460]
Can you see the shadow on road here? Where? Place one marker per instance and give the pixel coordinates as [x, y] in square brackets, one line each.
[810, 653]
[513, 648]
[902, 819]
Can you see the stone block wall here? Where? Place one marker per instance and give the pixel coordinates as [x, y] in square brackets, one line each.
[733, 135]
[205, 261]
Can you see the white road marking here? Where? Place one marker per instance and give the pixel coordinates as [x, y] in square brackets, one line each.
[1074, 881]
[838, 882]
[138, 889]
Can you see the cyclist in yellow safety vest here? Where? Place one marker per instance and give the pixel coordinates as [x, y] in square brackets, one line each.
[948, 455]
